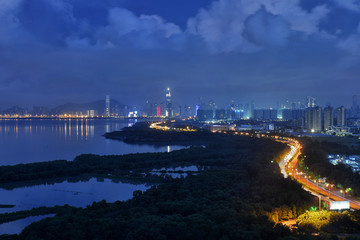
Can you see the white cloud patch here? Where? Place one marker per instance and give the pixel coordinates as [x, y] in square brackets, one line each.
[222, 26]
[126, 29]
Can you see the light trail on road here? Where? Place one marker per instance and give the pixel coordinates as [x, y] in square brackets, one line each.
[288, 166]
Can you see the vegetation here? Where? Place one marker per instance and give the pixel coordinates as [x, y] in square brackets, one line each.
[241, 195]
[142, 134]
[315, 158]
[131, 166]
[330, 222]
[13, 216]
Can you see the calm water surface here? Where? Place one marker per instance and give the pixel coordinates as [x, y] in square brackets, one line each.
[78, 194]
[37, 140]
[17, 226]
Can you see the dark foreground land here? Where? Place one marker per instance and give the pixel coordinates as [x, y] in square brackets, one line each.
[239, 194]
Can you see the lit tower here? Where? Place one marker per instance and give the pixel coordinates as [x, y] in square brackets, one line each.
[107, 106]
[310, 102]
[169, 111]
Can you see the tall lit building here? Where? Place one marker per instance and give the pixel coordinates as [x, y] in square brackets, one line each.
[341, 116]
[158, 111]
[169, 110]
[310, 102]
[107, 106]
[313, 119]
[328, 118]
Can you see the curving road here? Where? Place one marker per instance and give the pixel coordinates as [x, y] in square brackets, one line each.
[289, 165]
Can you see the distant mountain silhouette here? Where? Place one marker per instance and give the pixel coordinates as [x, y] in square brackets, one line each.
[15, 110]
[99, 106]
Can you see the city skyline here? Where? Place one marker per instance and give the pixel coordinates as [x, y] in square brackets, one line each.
[129, 50]
[306, 102]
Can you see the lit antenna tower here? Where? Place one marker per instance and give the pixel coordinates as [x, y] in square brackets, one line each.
[168, 112]
[107, 106]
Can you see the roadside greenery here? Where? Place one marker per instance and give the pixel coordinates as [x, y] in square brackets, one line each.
[329, 221]
[315, 158]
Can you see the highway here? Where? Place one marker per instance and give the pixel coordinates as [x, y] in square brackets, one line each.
[289, 166]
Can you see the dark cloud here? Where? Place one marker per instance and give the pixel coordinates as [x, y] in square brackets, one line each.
[57, 51]
[266, 29]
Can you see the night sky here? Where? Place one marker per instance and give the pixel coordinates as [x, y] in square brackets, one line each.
[57, 51]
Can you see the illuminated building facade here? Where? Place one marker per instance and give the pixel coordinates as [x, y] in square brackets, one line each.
[341, 116]
[328, 118]
[169, 109]
[313, 119]
[107, 106]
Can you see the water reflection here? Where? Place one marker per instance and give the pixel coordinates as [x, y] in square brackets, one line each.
[77, 194]
[36, 140]
[61, 127]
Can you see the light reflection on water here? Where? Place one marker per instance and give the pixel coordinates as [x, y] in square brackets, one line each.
[36, 140]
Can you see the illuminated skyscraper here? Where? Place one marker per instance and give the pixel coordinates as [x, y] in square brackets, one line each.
[341, 116]
[313, 119]
[107, 106]
[158, 111]
[328, 118]
[169, 110]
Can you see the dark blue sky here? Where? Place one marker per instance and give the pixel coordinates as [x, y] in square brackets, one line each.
[55, 51]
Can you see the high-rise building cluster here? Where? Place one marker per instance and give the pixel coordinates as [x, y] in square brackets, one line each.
[305, 116]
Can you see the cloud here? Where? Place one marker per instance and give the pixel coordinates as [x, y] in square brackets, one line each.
[352, 5]
[11, 31]
[266, 29]
[351, 47]
[222, 26]
[299, 19]
[8, 5]
[132, 57]
[226, 26]
[55, 24]
[125, 29]
[49, 21]
[352, 43]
